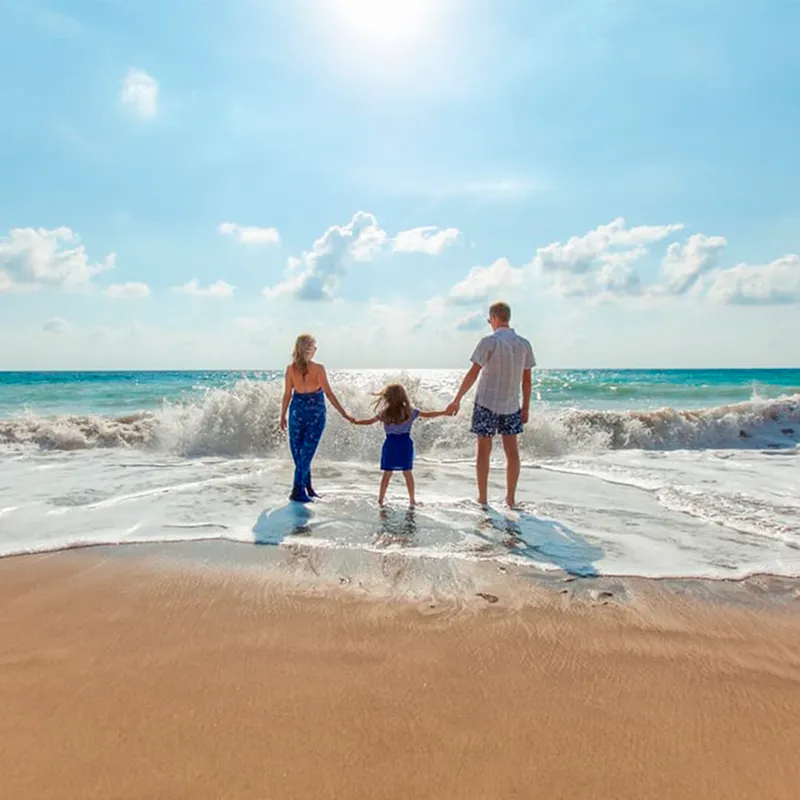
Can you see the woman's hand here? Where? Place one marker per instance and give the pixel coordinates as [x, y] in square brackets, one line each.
[283, 422]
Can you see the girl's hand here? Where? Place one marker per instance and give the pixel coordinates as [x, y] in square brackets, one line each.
[283, 423]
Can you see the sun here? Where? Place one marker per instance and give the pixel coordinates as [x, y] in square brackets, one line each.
[385, 23]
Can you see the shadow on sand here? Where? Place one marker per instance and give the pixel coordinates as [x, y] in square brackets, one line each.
[543, 541]
[273, 525]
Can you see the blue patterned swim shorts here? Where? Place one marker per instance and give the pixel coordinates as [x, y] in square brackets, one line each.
[486, 422]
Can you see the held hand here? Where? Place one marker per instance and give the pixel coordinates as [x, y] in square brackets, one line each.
[283, 423]
[453, 408]
[525, 414]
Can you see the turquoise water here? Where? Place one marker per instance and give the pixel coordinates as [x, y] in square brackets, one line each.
[117, 393]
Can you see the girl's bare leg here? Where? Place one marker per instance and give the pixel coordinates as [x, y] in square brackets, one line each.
[409, 476]
[385, 478]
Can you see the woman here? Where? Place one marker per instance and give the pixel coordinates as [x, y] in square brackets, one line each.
[305, 389]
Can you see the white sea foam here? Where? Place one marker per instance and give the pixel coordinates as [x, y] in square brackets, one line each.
[244, 420]
[710, 492]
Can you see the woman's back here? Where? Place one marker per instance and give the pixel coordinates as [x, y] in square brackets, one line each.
[311, 381]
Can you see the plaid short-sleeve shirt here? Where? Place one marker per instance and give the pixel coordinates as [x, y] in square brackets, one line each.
[502, 355]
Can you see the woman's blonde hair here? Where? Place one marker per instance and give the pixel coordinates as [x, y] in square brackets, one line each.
[303, 349]
[393, 405]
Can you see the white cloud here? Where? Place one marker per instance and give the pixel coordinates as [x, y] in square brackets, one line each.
[56, 325]
[776, 283]
[601, 260]
[130, 289]
[581, 254]
[428, 239]
[483, 282]
[316, 275]
[472, 322]
[140, 93]
[31, 258]
[217, 289]
[249, 234]
[684, 264]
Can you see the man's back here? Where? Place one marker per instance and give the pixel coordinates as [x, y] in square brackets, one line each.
[503, 355]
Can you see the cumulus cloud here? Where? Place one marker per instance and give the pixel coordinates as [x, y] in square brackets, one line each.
[130, 289]
[55, 325]
[249, 234]
[217, 289]
[483, 282]
[317, 273]
[775, 283]
[428, 239]
[139, 93]
[32, 258]
[684, 264]
[472, 322]
[600, 260]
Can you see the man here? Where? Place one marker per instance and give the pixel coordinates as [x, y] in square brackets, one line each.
[504, 361]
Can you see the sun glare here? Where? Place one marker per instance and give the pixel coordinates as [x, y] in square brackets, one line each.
[385, 23]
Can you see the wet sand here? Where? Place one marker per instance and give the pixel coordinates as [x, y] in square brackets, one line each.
[121, 680]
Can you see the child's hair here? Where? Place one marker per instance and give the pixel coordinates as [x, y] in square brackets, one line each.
[301, 355]
[393, 405]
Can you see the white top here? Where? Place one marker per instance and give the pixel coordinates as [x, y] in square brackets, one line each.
[503, 355]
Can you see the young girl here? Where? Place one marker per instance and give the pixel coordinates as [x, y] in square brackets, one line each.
[394, 410]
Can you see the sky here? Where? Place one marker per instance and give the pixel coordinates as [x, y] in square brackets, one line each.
[190, 184]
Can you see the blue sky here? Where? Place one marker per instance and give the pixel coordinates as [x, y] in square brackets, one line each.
[189, 184]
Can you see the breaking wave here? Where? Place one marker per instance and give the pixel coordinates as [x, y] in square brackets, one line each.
[244, 420]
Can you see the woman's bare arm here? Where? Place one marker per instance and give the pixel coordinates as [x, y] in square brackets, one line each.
[334, 400]
[287, 396]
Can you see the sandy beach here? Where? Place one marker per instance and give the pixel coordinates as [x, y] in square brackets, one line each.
[121, 680]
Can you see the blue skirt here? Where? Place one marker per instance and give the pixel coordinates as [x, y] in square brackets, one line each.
[398, 453]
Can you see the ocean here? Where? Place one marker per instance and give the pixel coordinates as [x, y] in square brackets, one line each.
[656, 473]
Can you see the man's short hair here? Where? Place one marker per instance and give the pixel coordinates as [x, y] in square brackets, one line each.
[501, 311]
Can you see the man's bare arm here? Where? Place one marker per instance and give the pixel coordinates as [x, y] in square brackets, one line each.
[466, 385]
[526, 394]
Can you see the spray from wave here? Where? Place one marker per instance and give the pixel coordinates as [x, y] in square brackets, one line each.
[244, 420]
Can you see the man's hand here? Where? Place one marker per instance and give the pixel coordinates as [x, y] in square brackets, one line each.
[283, 423]
[525, 414]
[453, 408]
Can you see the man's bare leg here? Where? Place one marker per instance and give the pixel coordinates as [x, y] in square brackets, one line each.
[482, 468]
[511, 446]
[385, 478]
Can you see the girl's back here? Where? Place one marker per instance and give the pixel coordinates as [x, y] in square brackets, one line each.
[400, 428]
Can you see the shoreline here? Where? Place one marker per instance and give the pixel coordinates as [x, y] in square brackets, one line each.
[759, 589]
